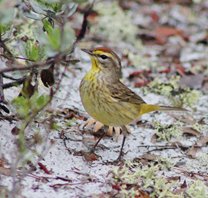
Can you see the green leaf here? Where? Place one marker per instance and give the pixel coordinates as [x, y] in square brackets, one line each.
[33, 50]
[4, 28]
[80, 1]
[73, 9]
[38, 101]
[6, 18]
[54, 38]
[21, 140]
[33, 15]
[68, 38]
[54, 5]
[37, 7]
[22, 106]
[42, 101]
[47, 25]
[25, 106]
[55, 126]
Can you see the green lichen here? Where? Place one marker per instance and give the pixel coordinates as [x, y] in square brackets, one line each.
[70, 122]
[167, 131]
[180, 97]
[197, 190]
[203, 159]
[140, 61]
[164, 88]
[115, 24]
[187, 98]
[134, 178]
[200, 163]
[163, 189]
[199, 127]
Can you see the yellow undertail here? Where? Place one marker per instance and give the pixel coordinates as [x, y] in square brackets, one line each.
[146, 108]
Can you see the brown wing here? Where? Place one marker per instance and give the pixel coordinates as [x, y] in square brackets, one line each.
[122, 93]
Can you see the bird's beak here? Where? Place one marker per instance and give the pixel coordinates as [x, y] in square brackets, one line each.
[87, 51]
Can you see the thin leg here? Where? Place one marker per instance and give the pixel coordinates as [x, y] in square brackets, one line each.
[101, 137]
[125, 133]
[121, 151]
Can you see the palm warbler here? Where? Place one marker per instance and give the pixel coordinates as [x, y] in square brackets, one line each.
[106, 98]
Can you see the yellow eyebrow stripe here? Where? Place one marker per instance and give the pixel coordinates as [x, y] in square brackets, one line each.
[97, 52]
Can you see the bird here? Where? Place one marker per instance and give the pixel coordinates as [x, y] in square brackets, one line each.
[107, 99]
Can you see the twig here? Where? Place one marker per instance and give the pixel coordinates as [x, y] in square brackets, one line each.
[1, 89]
[6, 49]
[163, 148]
[20, 67]
[17, 57]
[8, 118]
[12, 84]
[82, 32]
[148, 146]
[181, 147]
[9, 77]
[191, 173]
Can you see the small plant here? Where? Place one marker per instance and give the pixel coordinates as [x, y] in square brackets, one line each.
[26, 109]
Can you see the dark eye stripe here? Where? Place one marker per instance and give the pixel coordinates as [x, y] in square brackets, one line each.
[103, 56]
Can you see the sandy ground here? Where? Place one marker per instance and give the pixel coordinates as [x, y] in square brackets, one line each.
[71, 175]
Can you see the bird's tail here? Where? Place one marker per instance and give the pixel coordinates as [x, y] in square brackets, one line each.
[168, 108]
[146, 108]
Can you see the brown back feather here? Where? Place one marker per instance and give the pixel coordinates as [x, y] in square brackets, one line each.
[122, 93]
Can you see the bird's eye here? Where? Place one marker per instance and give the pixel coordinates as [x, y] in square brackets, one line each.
[103, 57]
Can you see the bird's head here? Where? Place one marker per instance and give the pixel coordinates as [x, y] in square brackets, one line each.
[105, 61]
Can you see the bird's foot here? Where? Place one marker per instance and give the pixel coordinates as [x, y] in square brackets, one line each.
[119, 160]
[92, 123]
[96, 126]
